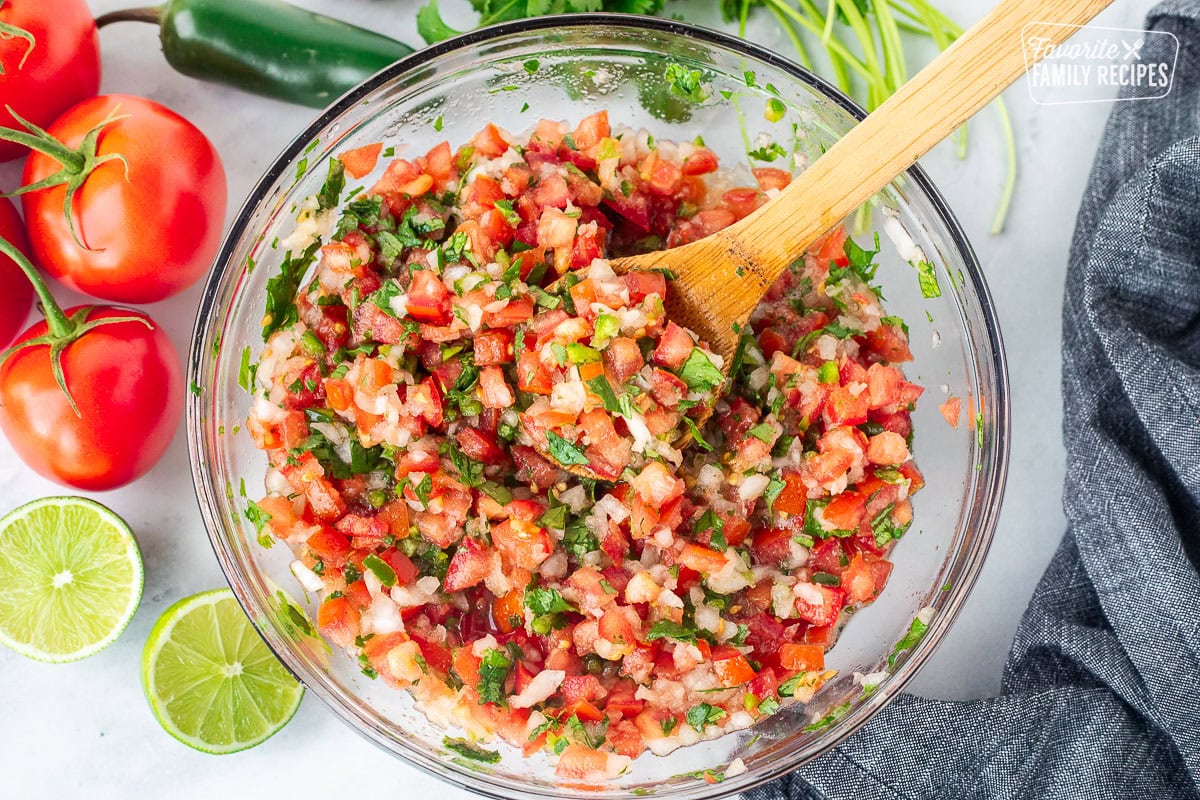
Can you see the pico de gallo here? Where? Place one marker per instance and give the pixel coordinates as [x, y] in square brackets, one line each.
[461, 307]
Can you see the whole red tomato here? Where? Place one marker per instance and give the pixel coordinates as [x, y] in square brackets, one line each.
[148, 236]
[49, 61]
[16, 294]
[125, 379]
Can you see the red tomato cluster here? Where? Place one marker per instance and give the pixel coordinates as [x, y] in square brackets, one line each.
[123, 199]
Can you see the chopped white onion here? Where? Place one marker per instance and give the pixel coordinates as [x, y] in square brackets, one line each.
[544, 684]
[308, 579]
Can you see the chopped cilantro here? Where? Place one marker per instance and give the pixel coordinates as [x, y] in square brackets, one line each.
[564, 452]
[927, 279]
[916, 632]
[331, 191]
[699, 372]
[686, 83]
[834, 714]
[703, 715]
[669, 629]
[493, 671]
[281, 291]
[470, 751]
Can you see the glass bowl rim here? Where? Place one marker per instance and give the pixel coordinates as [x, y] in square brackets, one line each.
[996, 458]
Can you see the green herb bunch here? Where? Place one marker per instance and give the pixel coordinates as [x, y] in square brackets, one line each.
[862, 41]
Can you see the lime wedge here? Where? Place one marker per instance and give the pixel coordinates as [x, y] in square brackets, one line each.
[211, 681]
[70, 578]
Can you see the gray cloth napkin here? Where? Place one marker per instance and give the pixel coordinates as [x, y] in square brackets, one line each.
[1100, 692]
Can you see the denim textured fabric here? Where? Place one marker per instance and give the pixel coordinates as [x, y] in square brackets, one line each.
[1099, 697]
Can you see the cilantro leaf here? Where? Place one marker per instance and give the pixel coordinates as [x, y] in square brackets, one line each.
[669, 629]
[834, 714]
[564, 452]
[282, 288]
[493, 671]
[699, 372]
[331, 190]
[546, 601]
[470, 751]
[927, 279]
[686, 83]
[703, 715]
[916, 632]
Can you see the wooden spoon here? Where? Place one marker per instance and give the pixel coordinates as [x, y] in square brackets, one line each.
[721, 278]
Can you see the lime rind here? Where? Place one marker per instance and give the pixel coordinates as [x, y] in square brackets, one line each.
[54, 627]
[181, 646]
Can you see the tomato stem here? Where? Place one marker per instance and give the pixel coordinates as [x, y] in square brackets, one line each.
[77, 165]
[9, 31]
[57, 321]
[63, 330]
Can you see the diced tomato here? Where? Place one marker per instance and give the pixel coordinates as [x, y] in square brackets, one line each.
[657, 485]
[674, 347]
[466, 666]
[820, 635]
[826, 555]
[625, 738]
[330, 545]
[832, 247]
[468, 567]
[580, 687]
[845, 511]
[518, 310]
[532, 376]
[406, 571]
[494, 390]
[771, 178]
[667, 388]
[742, 202]
[591, 130]
[428, 299]
[665, 177]
[479, 446]
[771, 545]
[859, 581]
[731, 667]
[887, 448]
[282, 515]
[555, 229]
[845, 408]
[824, 612]
[417, 461]
[582, 765]
[508, 612]
[802, 657]
[522, 544]
[793, 498]
[622, 359]
[338, 620]
[489, 142]
[883, 385]
[643, 284]
[736, 529]
[951, 409]
[889, 343]
[700, 161]
[702, 559]
[361, 160]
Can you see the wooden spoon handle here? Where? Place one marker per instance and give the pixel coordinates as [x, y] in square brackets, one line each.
[927, 109]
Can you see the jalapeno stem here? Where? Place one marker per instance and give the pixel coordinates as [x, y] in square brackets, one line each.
[151, 14]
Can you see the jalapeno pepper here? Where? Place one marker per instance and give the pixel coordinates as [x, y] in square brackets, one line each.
[267, 47]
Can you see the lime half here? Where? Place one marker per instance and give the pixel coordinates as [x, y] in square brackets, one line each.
[70, 578]
[211, 681]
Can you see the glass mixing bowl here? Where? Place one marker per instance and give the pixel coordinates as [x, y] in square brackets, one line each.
[585, 63]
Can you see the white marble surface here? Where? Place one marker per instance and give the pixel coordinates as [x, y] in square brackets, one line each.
[84, 730]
